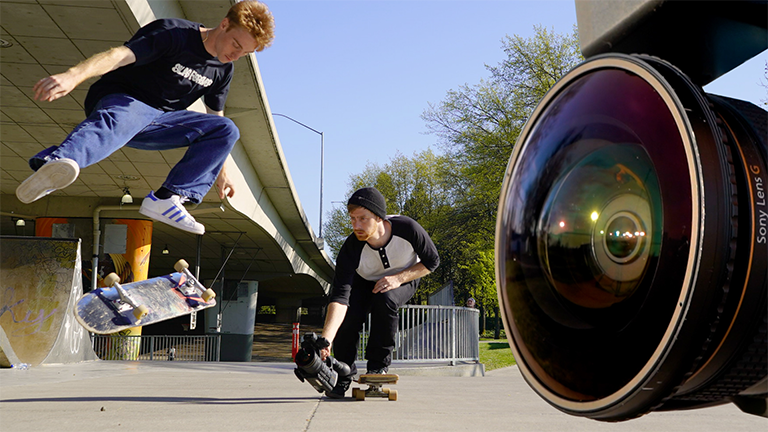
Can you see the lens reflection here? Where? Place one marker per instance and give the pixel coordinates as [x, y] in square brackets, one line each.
[622, 238]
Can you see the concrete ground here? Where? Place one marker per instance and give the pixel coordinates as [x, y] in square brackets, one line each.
[263, 396]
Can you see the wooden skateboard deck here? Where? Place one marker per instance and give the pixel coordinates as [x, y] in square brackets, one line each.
[375, 389]
[118, 307]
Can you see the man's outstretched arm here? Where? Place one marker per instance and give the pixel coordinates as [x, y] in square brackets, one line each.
[334, 316]
[59, 85]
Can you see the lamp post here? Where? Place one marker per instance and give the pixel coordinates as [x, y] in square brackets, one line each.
[322, 156]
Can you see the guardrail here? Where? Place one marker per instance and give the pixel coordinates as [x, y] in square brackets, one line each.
[161, 348]
[433, 333]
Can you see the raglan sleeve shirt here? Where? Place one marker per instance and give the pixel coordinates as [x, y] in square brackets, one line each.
[409, 244]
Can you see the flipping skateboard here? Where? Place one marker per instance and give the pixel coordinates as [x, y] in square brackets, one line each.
[375, 389]
[118, 307]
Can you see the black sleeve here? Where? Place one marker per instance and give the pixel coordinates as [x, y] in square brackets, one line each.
[422, 245]
[346, 263]
[153, 41]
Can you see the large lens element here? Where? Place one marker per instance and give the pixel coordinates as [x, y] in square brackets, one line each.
[630, 263]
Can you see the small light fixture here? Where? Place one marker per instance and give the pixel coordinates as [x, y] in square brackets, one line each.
[126, 198]
[165, 250]
[20, 223]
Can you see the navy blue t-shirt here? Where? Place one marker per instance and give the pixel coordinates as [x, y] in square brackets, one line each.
[172, 69]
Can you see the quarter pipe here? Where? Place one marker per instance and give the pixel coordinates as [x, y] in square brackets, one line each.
[40, 281]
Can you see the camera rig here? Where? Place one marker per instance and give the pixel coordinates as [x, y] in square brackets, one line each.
[321, 374]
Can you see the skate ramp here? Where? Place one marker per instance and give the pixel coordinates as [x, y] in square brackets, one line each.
[40, 281]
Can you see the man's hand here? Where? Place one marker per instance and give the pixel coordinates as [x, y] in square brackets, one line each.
[386, 283]
[224, 185]
[325, 353]
[60, 85]
[55, 86]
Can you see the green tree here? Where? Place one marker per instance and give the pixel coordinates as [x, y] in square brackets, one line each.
[336, 229]
[477, 127]
[479, 275]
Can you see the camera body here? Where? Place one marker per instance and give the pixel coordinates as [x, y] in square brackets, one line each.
[322, 375]
[704, 39]
[631, 255]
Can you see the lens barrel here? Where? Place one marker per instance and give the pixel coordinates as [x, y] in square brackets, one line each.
[631, 253]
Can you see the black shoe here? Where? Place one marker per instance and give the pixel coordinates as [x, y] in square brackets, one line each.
[341, 388]
[377, 371]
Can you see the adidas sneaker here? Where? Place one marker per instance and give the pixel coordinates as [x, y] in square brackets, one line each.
[54, 175]
[172, 212]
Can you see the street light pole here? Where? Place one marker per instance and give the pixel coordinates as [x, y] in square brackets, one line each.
[322, 164]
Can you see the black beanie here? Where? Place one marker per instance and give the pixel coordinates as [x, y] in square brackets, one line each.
[371, 199]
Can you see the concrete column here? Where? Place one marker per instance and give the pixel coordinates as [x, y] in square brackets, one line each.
[288, 310]
[315, 315]
[237, 321]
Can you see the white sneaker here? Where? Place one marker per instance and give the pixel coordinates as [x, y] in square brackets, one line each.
[172, 212]
[54, 175]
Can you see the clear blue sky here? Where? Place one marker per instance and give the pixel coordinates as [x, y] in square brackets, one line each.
[363, 72]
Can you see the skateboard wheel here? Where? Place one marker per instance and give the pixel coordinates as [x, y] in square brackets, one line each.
[392, 395]
[359, 394]
[385, 390]
[208, 295]
[140, 312]
[181, 265]
[111, 279]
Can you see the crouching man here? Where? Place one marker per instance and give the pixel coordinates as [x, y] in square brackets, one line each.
[377, 271]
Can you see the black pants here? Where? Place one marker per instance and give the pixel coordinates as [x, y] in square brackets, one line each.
[383, 308]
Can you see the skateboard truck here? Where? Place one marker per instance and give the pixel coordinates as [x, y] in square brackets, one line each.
[192, 285]
[125, 301]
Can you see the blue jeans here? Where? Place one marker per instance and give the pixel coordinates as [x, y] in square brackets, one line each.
[120, 120]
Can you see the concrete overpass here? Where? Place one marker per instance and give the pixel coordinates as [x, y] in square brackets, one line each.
[263, 229]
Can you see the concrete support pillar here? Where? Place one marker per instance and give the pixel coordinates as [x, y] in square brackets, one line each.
[237, 320]
[288, 310]
[316, 314]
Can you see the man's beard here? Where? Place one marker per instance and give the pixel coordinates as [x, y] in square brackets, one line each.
[364, 236]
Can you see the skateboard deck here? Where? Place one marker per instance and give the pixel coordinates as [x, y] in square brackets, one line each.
[118, 307]
[375, 389]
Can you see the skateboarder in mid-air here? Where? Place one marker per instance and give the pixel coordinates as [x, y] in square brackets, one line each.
[377, 270]
[141, 100]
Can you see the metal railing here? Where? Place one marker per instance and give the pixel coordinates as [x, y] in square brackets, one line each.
[433, 333]
[161, 348]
